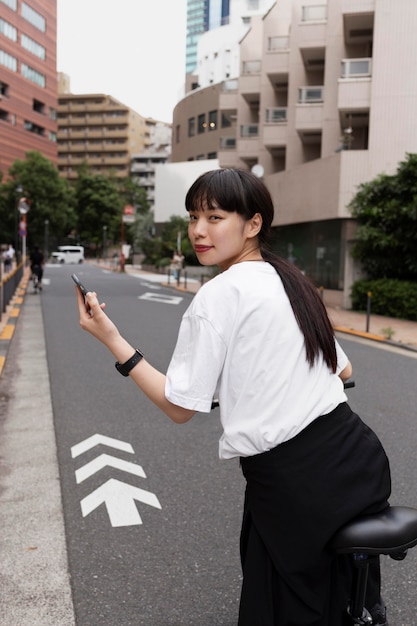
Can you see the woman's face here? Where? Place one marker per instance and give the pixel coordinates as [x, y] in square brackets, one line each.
[223, 238]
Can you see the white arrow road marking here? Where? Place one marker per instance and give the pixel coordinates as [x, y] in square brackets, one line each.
[120, 502]
[95, 440]
[157, 297]
[102, 461]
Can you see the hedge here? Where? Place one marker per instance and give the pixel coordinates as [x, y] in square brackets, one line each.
[389, 297]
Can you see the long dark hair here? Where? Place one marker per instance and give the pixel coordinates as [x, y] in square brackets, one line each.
[240, 191]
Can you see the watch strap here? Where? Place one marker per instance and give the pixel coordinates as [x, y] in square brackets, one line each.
[125, 368]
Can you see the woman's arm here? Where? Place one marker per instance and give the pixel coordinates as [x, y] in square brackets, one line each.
[147, 378]
[346, 373]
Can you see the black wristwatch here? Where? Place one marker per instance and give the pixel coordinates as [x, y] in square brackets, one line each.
[125, 368]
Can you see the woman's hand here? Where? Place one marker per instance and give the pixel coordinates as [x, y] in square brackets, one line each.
[94, 320]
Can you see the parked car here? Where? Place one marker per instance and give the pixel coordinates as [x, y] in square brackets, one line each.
[68, 254]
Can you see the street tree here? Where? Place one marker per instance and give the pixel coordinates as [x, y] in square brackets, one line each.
[50, 198]
[98, 204]
[386, 211]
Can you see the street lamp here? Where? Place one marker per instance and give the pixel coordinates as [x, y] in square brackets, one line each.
[46, 252]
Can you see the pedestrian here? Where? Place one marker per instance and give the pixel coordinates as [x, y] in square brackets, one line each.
[8, 257]
[258, 335]
[177, 263]
[36, 264]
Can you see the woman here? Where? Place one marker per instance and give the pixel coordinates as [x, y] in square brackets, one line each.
[257, 336]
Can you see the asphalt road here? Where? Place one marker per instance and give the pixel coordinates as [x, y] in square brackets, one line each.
[175, 561]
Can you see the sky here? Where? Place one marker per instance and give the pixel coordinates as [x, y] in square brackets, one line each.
[133, 50]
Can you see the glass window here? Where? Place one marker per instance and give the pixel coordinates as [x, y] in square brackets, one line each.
[33, 128]
[8, 30]
[212, 120]
[33, 17]
[202, 124]
[8, 61]
[12, 4]
[191, 126]
[4, 89]
[33, 75]
[33, 47]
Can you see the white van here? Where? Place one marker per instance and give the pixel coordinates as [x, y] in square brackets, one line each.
[68, 254]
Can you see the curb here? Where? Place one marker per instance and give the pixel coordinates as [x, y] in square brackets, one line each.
[12, 315]
[371, 336]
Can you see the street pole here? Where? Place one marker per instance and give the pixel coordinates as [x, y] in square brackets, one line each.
[46, 243]
[18, 191]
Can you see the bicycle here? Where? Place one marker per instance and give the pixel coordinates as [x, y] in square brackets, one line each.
[35, 278]
[392, 532]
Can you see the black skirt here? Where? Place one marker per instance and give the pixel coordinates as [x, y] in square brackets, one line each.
[297, 496]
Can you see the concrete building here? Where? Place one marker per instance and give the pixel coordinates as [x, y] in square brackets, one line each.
[28, 80]
[100, 131]
[324, 100]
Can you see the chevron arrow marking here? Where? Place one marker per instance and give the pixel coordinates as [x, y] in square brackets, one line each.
[119, 499]
[95, 440]
[103, 461]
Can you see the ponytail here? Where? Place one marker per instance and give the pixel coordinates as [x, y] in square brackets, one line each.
[308, 309]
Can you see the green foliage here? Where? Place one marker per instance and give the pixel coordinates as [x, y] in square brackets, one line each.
[386, 211]
[159, 250]
[391, 298]
[51, 198]
[98, 204]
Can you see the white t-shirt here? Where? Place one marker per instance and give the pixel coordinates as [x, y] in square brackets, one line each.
[239, 341]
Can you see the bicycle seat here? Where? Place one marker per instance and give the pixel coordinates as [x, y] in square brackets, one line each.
[390, 532]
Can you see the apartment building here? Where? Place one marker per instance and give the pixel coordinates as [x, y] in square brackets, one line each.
[28, 80]
[100, 131]
[325, 99]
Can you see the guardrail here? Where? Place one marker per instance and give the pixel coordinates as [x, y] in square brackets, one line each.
[8, 285]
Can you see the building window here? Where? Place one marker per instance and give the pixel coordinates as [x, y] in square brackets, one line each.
[4, 90]
[33, 75]
[33, 47]
[212, 120]
[34, 128]
[212, 155]
[38, 106]
[4, 115]
[8, 61]
[226, 119]
[191, 126]
[177, 133]
[52, 114]
[251, 67]
[33, 17]
[202, 124]
[52, 136]
[314, 13]
[8, 30]
[12, 4]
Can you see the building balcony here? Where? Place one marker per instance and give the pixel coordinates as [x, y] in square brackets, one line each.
[228, 96]
[274, 135]
[248, 142]
[276, 66]
[309, 117]
[250, 87]
[227, 143]
[354, 93]
[356, 7]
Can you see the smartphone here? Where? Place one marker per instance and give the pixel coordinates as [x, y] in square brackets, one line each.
[81, 288]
